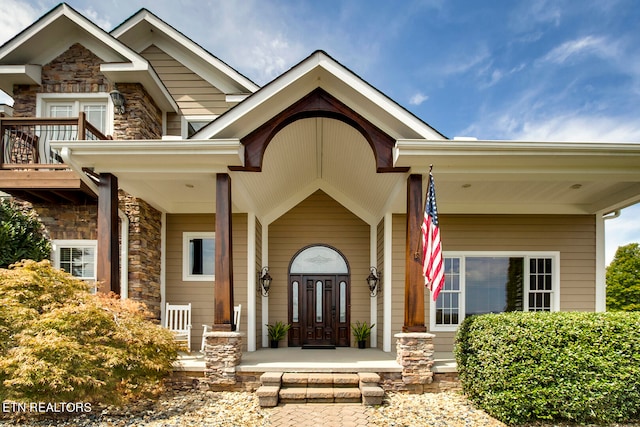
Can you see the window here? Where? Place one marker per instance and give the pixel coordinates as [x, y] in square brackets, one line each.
[78, 257]
[192, 124]
[198, 256]
[482, 282]
[94, 105]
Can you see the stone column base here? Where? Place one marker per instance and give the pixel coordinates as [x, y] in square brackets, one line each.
[415, 355]
[222, 353]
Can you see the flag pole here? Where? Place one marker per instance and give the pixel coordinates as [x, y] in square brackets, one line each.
[416, 254]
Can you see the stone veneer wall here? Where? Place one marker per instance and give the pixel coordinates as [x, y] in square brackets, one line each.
[222, 353]
[68, 222]
[77, 70]
[141, 119]
[414, 352]
[145, 248]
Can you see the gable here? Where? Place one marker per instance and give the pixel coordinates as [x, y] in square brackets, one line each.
[318, 104]
[75, 70]
[193, 94]
[22, 57]
[144, 30]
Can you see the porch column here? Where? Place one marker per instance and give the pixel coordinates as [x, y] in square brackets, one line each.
[108, 268]
[224, 256]
[413, 280]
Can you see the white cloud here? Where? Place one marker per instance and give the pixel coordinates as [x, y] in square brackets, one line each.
[418, 98]
[22, 15]
[97, 18]
[252, 36]
[599, 46]
[570, 127]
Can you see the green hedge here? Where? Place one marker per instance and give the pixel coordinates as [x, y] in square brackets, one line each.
[522, 367]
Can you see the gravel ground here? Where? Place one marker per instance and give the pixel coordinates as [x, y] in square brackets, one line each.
[223, 409]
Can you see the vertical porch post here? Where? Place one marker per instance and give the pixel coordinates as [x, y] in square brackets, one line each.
[413, 280]
[224, 257]
[108, 268]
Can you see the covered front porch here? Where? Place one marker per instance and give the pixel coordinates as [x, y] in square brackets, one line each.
[190, 367]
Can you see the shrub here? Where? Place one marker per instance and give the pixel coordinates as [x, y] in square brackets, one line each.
[583, 367]
[60, 343]
[21, 236]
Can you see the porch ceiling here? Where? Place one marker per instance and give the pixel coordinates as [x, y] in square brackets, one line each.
[527, 177]
[472, 177]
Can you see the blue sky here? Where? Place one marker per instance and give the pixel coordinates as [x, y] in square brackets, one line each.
[548, 70]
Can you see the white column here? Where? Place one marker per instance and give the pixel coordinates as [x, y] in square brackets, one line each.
[251, 281]
[265, 300]
[163, 265]
[601, 283]
[386, 282]
[373, 261]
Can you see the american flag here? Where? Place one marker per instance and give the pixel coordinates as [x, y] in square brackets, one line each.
[432, 267]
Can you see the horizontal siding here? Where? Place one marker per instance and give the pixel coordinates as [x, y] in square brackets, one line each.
[398, 256]
[319, 220]
[174, 124]
[193, 94]
[571, 235]
[201, 294]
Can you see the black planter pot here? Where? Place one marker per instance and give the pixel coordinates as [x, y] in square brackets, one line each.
[274, 343]
[362, 344]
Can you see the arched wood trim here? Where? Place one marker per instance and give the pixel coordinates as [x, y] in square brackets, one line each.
[318, 103]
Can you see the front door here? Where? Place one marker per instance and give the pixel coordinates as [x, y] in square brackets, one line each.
[320, 316]
[319, 299]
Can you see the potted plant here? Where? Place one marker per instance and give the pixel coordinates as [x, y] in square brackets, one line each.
[361, 331]
[277, 331]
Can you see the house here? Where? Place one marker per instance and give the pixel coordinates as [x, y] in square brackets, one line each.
[201, 182]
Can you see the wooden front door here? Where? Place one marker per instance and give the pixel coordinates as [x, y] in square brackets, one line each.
[319, 310]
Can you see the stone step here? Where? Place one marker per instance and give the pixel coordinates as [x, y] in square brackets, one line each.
[319, 379]
[291, 387]
[268, 395]
[320, 394]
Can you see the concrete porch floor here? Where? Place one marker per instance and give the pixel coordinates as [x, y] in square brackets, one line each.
[294, 359]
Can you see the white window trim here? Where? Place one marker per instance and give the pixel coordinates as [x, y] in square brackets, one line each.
[78, 243]
[184, 128]
[186, 237]
[42, 99]
[555, 286]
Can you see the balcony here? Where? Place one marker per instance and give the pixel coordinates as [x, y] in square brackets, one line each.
[31, 170]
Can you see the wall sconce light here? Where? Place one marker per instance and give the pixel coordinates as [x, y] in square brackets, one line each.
[372, 281]
[264, 281]
[118, 101]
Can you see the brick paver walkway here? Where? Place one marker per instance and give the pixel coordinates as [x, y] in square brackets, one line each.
[319, 414]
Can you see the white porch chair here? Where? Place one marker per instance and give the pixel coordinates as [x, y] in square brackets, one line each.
[178, 320]
[237, 310]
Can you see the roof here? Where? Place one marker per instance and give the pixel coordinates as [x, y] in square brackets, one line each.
[144, 29]
[22, 57]
[319, 70]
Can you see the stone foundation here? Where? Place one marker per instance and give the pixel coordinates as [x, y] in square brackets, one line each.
[222, 353]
